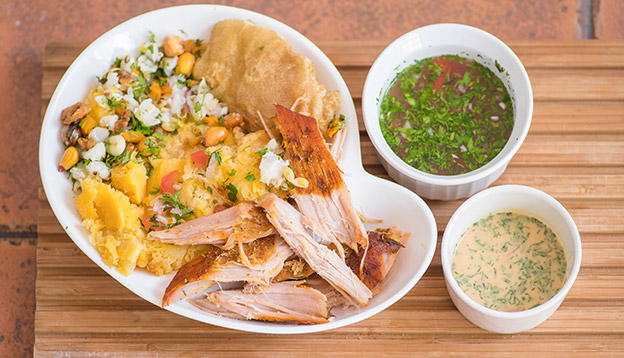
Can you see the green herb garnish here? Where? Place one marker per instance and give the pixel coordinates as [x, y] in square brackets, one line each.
[232, 192]
[446, 115]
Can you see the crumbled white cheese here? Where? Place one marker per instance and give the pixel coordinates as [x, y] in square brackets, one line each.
[114, 94]
[78, 173]
[151, 51]
[109, 121]
[101, 101]
[146, 65]
[202, 105]
[99, 134]
[96, 153]
[272, 145]
[98, 168]
[112, 80]
[272, 165]
[132, 103]
[177, 100]
[168, 65]
[147, 113]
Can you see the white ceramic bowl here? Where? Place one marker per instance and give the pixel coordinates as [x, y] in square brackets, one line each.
[379, 199]
[436, 40]
[522, 199]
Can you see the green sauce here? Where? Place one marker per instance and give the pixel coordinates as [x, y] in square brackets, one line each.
[447, 115]
[509, 262]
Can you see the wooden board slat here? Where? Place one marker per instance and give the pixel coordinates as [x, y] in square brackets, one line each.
[573, 152]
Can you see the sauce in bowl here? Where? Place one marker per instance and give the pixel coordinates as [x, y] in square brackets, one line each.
[446, 115]
[509, 262]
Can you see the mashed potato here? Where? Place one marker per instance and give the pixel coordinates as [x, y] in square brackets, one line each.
[113, 213]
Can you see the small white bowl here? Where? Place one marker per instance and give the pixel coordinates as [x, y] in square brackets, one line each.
[529, 201]
[436, 40]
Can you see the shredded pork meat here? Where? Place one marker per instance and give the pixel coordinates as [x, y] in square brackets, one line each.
[292, 227]
[241, 223]
[266, 258]
[383, 247]
[279, 302]
[326, 201]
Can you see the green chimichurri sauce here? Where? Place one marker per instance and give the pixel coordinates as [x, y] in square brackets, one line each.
[447, 115]
[509, 262]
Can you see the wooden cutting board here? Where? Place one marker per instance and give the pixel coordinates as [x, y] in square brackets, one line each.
[574, 151]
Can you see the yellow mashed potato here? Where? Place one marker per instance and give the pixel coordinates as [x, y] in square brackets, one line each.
[113, 212]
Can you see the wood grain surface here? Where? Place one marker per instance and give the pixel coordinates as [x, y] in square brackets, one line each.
[574, 151]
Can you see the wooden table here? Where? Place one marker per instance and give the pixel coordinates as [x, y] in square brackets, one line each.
[574, 151]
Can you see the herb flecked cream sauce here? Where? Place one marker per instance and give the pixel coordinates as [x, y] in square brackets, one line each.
[447, 115]
[509, 262]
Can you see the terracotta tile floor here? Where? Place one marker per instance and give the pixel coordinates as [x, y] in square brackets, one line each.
[26, 26]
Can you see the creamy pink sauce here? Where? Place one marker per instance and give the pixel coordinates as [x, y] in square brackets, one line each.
[509, 262]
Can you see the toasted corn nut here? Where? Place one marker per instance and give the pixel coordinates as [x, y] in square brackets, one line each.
[211, 121]
[186, 61]
[155, 91]
[191, 46]
[87, 124]
[146, 143]
[173, 46]
[69, 159]
[214, 135]
[232, 120]
[301, 182]
[133, 136]
[288, 174]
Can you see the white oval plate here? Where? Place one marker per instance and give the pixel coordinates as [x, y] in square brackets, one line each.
[377, 198]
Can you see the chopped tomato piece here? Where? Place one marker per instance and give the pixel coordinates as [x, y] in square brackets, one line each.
[200, 158]
[445, 68]
[167, 182]
[148, 224]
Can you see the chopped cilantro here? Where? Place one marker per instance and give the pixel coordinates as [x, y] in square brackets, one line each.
[232, 173]
[262, 152]
[250, 177]
[159, 137]
[232, 192]
[217, 155]
[172, 202]
[138, 126]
